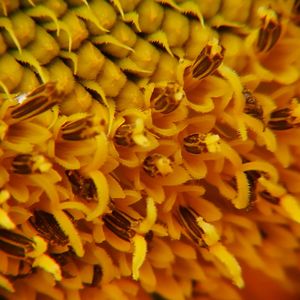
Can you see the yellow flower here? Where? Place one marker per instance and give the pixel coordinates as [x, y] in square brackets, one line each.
[149, 150]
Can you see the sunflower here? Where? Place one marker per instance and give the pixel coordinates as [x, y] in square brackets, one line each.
[149, 149]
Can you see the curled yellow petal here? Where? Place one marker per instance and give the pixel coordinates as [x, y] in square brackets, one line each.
[151, 216]
[102, 193]
[139, 255]
[6, 284]
[40, 247]
[68, 228]
[210, 236]
[49, 265]
[230, 263]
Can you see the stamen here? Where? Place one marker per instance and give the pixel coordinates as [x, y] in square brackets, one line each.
[287, 117]
[270, 29]
[82, 129]
[81, 186]
[22, 164]
[128, 135]
[27, 164]
[48, 227]
[63, 258]
[11, 249]
[149, 236]
[14, 244]
[252, 107]
[296, 7]
[120, 224]
[166, 99]
[98, 273]
[36, 102]
[197, 143]
[208, 60]
[15, 237]
[157, 165]
[123, 135]
[270, 198]
[188, 219]
[252, 177]
[124, 234]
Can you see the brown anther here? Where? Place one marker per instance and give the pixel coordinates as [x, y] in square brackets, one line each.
[14, 244]
[81, 129]
[27, 164]
[270, 29]
[123, 135]
[36, 102]
[47, 226]
[81, 186]
[252, 107]
[149, 236]
[97, 276]
[22, 164]
[252, 177]
[157, 165]
[195, 143]
[296, 7]
[120, 224]
[208, 60]
[114, 225]
[286, 118]
[166, 99]
[188, 219]
[270, 198]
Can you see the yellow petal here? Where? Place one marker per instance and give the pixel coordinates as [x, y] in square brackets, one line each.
[5, 283]
[49, 265]
[291, 206]
[151, 216]
[102, 193]
[139, 255]
[229, 261]
[210, 236]
[5, 220]
[68, 228]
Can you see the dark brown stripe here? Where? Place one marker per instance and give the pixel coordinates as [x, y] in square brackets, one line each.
[280, 125]
[74, 125]
[267, 196]
[98, 273]
[21, 170]
[12, 249]
[48, 227]
[191, 221]
[28, 107]
[74, 136]
[81, 186]
[121, 219]
[281, 113]
[275, 34]
[118, 222]
[252, 177]
[262, 39]
[15, 237]
[125, 234]
[201, 66]
[149, 236]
